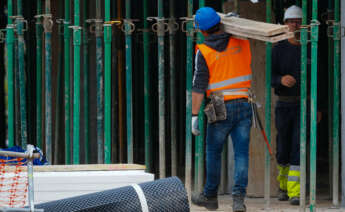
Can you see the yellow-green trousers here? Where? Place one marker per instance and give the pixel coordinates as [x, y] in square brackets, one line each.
[288, 179]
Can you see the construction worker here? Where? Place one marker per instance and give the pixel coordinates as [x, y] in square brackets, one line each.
[223, 69]
[286, 69]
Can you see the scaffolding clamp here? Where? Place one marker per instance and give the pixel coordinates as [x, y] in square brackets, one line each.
[128, 26]
[95, 26]
[47, 21]
[185, 21]
[173, 26]
[19, 19]
[61, 23]
[160, 27]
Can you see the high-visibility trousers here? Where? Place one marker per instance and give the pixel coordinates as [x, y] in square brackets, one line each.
[283, 177]
[293, 183]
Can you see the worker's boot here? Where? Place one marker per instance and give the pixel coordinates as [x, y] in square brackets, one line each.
[282, 195]
[238, 203]
[294, 200]
[211, 203]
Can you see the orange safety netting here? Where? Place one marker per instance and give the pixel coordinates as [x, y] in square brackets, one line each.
[13, 183]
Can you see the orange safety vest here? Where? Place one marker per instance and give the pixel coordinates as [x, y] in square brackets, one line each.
[229, 70]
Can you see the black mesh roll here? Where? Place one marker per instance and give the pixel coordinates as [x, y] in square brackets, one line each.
[166, 195]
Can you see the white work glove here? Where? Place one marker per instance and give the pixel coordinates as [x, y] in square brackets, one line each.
[195, 125]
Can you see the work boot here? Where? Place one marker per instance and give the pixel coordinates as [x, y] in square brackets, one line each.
[211, 203]
[282, 195]
[238, 203]
[294, 201]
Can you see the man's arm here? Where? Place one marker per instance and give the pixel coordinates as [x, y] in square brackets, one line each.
[196, 102]
[276, 77]
[200, 82]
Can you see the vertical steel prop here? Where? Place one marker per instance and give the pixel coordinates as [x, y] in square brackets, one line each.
[313, 109]
[336, 95]
[48, 27]
[107, 82]
[161, 88]
[173, 27]
[10, 79]
[39, 45]
[147, 103]
[330, 99]
[20, 23]
[189, 75]
[67, 90]
[199, 140]
[76, 78]
[342, 103]
[100, 83]
[86, 81]
[129, 28]
[268, 108]
[303, 121]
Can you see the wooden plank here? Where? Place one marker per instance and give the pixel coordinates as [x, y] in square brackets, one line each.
[253, 27]
[272, 39]
[84, 167]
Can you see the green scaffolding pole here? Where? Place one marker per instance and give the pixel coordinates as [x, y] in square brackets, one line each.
[147, 103]
[199, 140]
[67, 38]
[313, 109]
[173, 115]
[161, 89]
[100, 80]
[86, 82]
[48, 85]
[21, 65]
[128, 32]
[303, 121]
[268, 108]
[189, 75]
[76, 79]
[10, 58]
[336, 100]
[107, 103]
[39, 45]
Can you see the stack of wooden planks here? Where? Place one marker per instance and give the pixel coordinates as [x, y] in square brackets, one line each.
[255, 29]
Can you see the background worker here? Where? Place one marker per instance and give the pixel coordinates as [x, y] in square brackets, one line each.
[286, 70]
[223, 65]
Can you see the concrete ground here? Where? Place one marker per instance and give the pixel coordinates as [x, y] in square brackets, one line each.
[258, 204]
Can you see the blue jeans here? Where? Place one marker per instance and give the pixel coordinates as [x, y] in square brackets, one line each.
[237, 124]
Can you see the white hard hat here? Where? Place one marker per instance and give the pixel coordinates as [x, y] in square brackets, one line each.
[293, 12]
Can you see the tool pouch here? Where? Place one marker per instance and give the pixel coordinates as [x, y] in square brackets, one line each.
[215, 110]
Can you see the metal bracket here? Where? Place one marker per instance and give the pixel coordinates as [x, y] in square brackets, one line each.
[47, 22]
[185, 20]
[131, 26]
[20, 18]
[173, 26]
[60, 22]
[95, 26]
[160, 27]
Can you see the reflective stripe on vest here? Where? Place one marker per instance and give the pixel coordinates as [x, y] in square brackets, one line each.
[229, 69]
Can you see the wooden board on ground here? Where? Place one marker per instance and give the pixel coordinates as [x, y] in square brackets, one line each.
[255, 29]
[49, 186]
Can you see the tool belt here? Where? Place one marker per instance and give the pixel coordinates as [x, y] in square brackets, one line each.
[215, 110]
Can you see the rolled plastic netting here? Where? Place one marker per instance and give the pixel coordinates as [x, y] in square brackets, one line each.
[168, 195]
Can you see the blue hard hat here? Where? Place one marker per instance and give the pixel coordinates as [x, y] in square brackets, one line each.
[206, 18]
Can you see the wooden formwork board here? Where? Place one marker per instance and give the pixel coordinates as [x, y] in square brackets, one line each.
[255, 29]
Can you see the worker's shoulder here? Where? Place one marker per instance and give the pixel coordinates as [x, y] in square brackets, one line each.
[281, 45]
